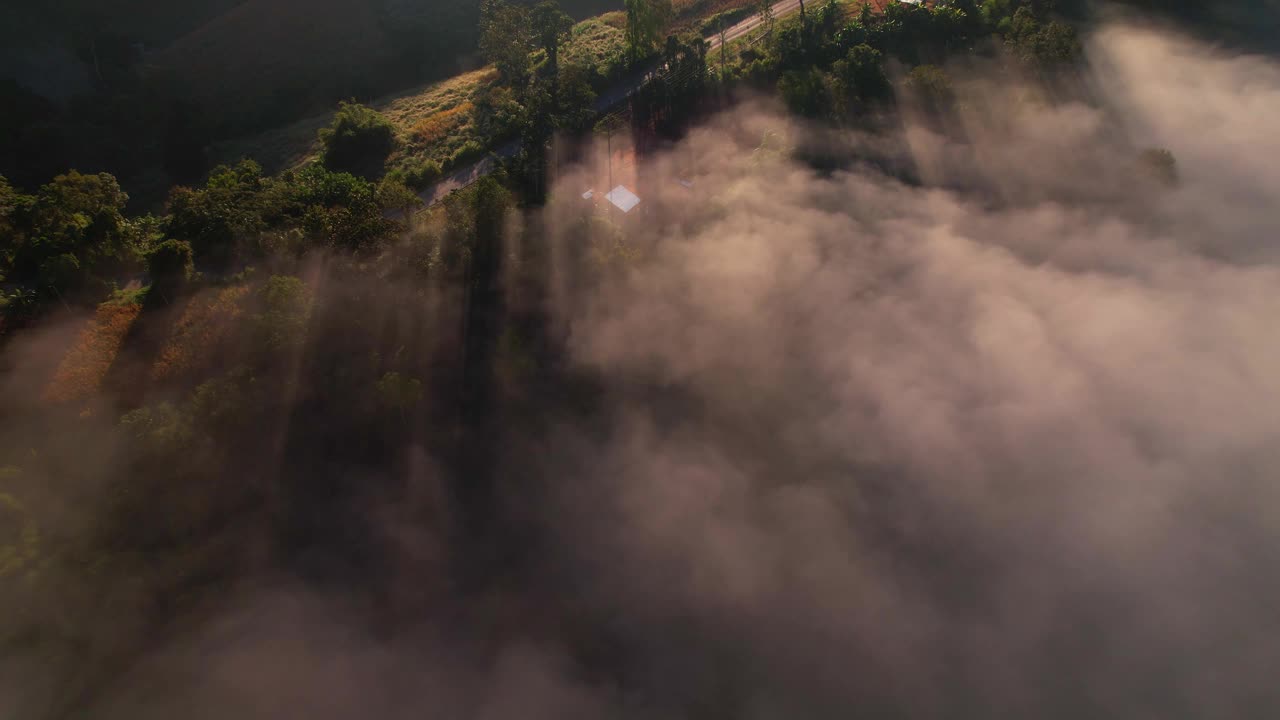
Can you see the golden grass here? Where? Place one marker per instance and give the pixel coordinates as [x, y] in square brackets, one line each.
[297, 144]
[436, 126]
[206, 321]
[616, 19]
[82, 370]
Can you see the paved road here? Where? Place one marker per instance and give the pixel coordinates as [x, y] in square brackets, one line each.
[786, 7]
[464, 176]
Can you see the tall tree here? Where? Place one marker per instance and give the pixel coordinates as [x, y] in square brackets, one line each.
[506, 38]
[552, 27]
[646, 21]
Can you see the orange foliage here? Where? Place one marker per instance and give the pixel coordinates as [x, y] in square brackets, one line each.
[82, 370]
[205, 322]
[436, 126]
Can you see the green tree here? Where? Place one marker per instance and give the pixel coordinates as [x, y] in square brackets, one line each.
[358, 141]
[931, 85]
[551, 27]
[860, 76]
[337, 207]
[230, 208]
[71, 232]
[804, 91]
[281, 324]
[12, 205]
[829, 16]
[506, 38]
[575, 109]
[646, 22]
[1041, 44]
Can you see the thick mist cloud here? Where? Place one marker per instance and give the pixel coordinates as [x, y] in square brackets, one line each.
[955, 453]
[1000, 442]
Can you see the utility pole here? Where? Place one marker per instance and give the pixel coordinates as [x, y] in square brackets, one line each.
[766, 17]
[723, 42]
[804, 28]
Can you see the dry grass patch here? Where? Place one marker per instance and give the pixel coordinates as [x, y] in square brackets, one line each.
[208, 319]
[82, 370]
[434, 127]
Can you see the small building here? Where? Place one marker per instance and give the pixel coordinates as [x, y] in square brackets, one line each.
[623, 199]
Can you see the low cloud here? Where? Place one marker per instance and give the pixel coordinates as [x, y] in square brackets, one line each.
[998, 441]
[1000, 447]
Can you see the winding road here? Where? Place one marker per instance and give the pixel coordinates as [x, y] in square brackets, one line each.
[467, 175]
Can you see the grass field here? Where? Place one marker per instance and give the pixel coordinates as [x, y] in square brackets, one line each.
[435, 121]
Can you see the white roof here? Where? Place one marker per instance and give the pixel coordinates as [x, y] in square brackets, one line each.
[623, 199]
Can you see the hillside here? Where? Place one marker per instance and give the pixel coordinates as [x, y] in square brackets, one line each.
[901, 362]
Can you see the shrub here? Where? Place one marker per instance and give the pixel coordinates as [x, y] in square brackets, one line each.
[498, 112]
[472, 150]
[416, 173]
[393, 194]
[358, 141]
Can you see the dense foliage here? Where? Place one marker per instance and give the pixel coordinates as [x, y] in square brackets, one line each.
[358, 141]
[831, 63]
